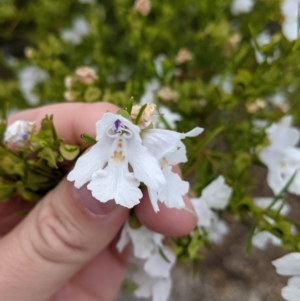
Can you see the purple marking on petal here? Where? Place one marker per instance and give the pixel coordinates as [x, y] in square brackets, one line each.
[117, 125]
[24, 136]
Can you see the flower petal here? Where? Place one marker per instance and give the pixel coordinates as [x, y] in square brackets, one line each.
[91, 161]
[291, 292]
[157, 266]
[288, 265]
[171, 194]
[217, 193]
[202, 211]
[116, 182]
[163, 142]
[145, 167]
[261, 239]
[143, 240]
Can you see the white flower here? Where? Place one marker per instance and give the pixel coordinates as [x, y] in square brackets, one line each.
[170, 117]
[143, 241]
[106, 164]
[167, 148]
[158, 64]
[150, 88]
[156, 287]
[77, 32]
[282, 157]
[29, 77]
[18, 132]
[262, 39]
[288, 265]
[224, 81]
[153, 275]
[241, 6]
[279, 101]
[291, 292]
[154, 278]
[158, 266]
[217, 229]
[261, 239]
[265, 202]
[290, 10]
[214, 196]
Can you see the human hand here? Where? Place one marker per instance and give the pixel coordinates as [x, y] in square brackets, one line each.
[64, 249]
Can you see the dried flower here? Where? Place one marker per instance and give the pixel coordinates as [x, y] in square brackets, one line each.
[69, 82]
[167, 94]
[18, 132]
[148, 112]
[86, 75]
[183, 56]
[256, 106]
[69, 96]
[143, 7]
[234, 39]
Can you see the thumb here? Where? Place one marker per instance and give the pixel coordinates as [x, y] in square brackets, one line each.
[59, 236]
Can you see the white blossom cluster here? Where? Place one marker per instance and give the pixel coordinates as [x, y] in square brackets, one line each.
[282, 156]
[153, 260]
[124, 156]
[215, 196]
[289, 10]
[29, 77]
[261, 239]
[18, 132]
[80, 28]
[289, 265]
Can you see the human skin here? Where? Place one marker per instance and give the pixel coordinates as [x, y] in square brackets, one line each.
[64, 249]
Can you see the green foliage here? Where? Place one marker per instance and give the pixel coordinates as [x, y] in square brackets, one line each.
[31, 168]
[218, 88]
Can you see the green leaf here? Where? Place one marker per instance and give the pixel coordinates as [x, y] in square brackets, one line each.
[134, 222]
[124, 113]
[88, 139]
[163, 255]
[129, 106]
[140, 114]
[69, 151]
[249, 240]
[12, 165]
[48, 155]
[6, 191]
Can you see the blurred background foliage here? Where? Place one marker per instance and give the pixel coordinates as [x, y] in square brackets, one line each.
[241, 68]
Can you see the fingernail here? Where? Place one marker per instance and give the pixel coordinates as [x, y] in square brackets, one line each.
[92, 204]
[189, 206]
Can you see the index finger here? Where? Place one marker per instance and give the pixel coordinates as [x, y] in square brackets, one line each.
[73, 119]
[70, 119]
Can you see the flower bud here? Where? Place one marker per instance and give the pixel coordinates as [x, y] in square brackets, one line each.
[183, 56]
[143, 7]
[167, 94]
[19, 131]
[148, 112]
[86, 75]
